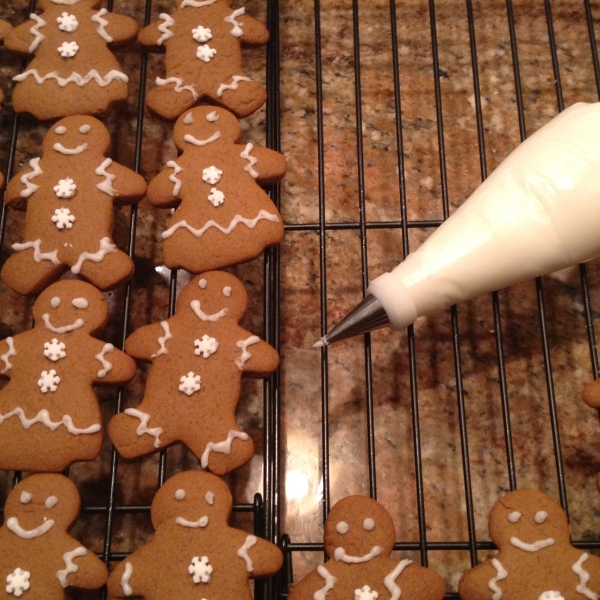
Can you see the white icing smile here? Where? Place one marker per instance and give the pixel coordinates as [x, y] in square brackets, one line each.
[70, 151]
[201, 522]
[192, 140]
[65, 329]
[29, 534]
[66, 2]
[195, 306]
[538, 545]
[340, 554]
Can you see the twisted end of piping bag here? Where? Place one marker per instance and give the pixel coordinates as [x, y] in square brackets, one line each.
[386, 303]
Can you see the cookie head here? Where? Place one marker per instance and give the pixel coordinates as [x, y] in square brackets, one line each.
[528, 520]
[69, 305]
[76, 136]
[203, 125]
[193, 500]
[39, 503]
[358, 529]
[214, 295]
[46, 4]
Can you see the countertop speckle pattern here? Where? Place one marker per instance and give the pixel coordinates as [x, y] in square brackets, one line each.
[429, 178]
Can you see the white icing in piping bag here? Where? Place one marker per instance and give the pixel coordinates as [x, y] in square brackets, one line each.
[537, 213]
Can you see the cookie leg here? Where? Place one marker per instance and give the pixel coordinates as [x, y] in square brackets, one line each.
[240, 97]
[114, 269]
[134, 433]
[25, 275]
[167, 102]
[225, 452]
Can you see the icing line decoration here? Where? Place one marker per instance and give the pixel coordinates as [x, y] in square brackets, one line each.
[143, 428]
[5, 357]
[70, 566]
[330, 581]
[195, 306]
[70, 151]
[240, 362]
[501, 573]
[29, 534]
[43, 417]
[340, 554]
[584, 577]
[37, 255]
[106, 365]
[237, 30]
[252, 160]
[173, 177]
[223, 447]
[250, 223]
[35, 31]
[106, 185]
[390, 580]
[538, 545]
[164, 28]
[201, 522]
[65, 328]
[75, 78]
[196, 3]
[242, 552]
[125, 579]
[192, 140]
[102, 23]
[179, 87]
[233, 85]
[163, 338]
[106, 247]
[34, 163]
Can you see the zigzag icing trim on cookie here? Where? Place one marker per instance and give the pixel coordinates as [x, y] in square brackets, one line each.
[37, 255]
[34, 163]
[35, 31]
[106, 185]
[242, 552]
[106, 247]
[243, 345]
[250, 223]
[224, 447]
[584, 577]
[43, 417]
[501, 574]
[173, 177]
[143, 428]
[179, 87]
[106, 365]
[162, 339]
[233, 85]
[75, 78]
[10, 352]
[102, 23]
[252, 160]
[390, 580]
[70, 566]
[237, 30]
[164, 28]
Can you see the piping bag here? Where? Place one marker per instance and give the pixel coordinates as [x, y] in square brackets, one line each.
[537, 213]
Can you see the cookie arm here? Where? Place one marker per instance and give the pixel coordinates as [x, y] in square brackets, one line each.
[270, 165]
[120, 27]
[266, 559]
[91, 572]
[420, 583]
[306, 587]
[474, 584]
[161, 188]
[145, 342]
[7, 350]
[113, 366]
[263, 359]
[255, 33]
[129, 186]
[125, 577]
[4, 29]
[16, 186]
[20, 38]
[149, 35]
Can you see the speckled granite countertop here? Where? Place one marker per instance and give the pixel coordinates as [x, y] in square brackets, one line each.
[301, 459]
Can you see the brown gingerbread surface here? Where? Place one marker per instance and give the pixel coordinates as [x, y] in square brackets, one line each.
[4, 29]
[203, 58]
[73, 70]
[199, 356]
[70, 193]
[49, 414]
[38, 558]
[536, 560]
[195, 553]
[223, 216]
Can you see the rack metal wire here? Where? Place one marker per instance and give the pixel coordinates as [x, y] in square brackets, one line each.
[267, 507]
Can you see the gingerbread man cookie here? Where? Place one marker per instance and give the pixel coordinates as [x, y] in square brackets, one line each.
[204, 59]
[223, 216]
[38, 558]
[195, 553]
[536, 560]
[70, 193]
[73, 71]
[359, 536]
[199, 356]
[49, 414]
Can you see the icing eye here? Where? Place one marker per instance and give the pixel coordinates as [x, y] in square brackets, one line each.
[51, 501]
[514, 516]
[55, 302]
[202, 283]
[227, 291]
[540, 516]
[25, 497]
[209, 497]
[189, 119]
[60, 130]
[85, 128]
[368, 524]
[80, 303]
[212, 116]
[342, 527]
[180, 494]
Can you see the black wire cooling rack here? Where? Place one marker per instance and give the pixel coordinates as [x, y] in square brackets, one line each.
[267, 507]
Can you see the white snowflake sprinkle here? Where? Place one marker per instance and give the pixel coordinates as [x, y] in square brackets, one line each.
[67, 22]
[68, 49]
[205, 53]
[200, 569]
[48, 381]
[190, 383]
[18, 582]
[65, 188]
[365, 593]
[211, 175]
[63, 218]
[216, 197]
[206, 346]
[54, 350]
[202, 34]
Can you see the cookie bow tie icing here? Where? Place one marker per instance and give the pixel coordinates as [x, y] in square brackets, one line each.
[49, 415]
[536, 560]
[359, 537]
[59, 81]
[70, 193]
[38, 558]
[193, 556]
[205, 38]
[199, 356]
[223, 216]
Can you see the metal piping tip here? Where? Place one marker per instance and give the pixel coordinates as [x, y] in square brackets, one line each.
[367, 316]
